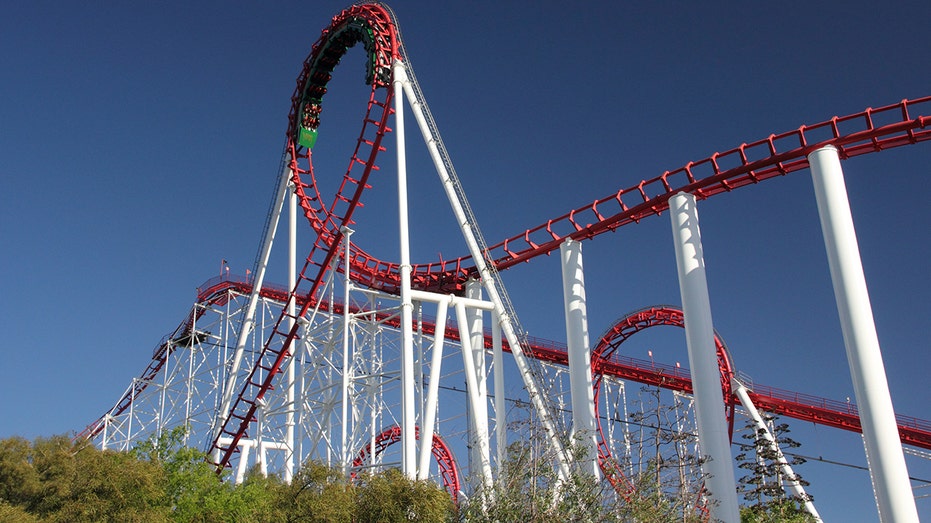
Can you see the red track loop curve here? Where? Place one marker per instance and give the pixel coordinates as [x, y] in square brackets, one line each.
[645, 318]
[441, 453]
[602, 364]
[371, 24]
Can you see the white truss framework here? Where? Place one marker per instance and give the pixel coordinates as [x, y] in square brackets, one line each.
[187, 390]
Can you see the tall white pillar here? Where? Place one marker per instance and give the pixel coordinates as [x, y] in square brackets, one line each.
[703, 360]
[584, 423]
[501, 441]
[408, 414]
[475, 330]
[245, 446]
[428, 416]
[491, 280]
[480, 465]
[894, 498]
[347, 373]
[248, 320]
[292, 362]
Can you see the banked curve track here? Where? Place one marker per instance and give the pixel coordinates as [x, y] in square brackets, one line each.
[869, 131]
[374, 26]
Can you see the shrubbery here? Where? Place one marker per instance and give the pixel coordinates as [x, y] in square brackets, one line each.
[57, 480]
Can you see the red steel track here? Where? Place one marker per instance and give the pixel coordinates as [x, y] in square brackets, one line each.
[373, 25]
[869, 131]
[606, 361]
[441, 453]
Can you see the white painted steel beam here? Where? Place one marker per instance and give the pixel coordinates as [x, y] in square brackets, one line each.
[248, 321]
[408, 400]
[794, 487]
[703, 360]
[501, 424]
[488, 276]
[478, 409]
[346, 373]
[894, 498]
[433, 389]
[291, 385]
[474, 330]
[584, 424]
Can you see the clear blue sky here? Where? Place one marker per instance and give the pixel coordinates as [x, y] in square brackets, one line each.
[139, 144]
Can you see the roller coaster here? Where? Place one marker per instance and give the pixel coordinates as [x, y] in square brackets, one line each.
[356, 354]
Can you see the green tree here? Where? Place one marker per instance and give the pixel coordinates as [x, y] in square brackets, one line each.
[54, 462]
[527, 489]
[665, 476]
[15, 514]
[195, 492]
[19, 481]
[763, 487]
[389, 496]
[54, 479]
[651, 503]
[317, 493]
[111, 486]
[262, 495]
[783, 511]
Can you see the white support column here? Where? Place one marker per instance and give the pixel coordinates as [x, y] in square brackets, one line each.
[489, 277]
[132, 403]
[894, 498]
[429, 416]
[433, 389]
[584, 424]
[474, 329]
[106, 425]
[259, 439]
[419, 365]
[248, 320]
[408, 418]
[245, 446]
[189, 381]
[292, 281]
[501, 424]
[345, 457]
[478, 410]
[703, 360]
[263, 459]
[161, 403]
